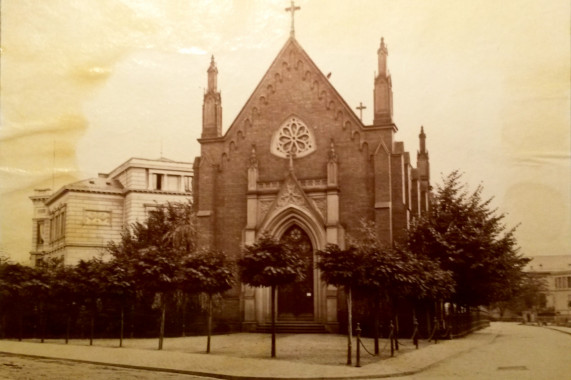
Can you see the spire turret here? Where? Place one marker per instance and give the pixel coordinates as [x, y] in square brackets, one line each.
[212, 105]
[382, 54]
[422, 139]
[212, 76]
[423, 168]
[383, 93]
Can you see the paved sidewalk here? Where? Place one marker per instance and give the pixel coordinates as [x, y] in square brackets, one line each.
[240, 356]
[563, 329]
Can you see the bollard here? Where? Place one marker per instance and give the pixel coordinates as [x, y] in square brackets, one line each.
[391, 338]
[415, 332]
[358, 331]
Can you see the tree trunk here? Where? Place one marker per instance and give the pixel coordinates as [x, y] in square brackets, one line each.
[42, 324]
[122, 324]
[183, 324]
[162, 323]
[396, 318]
[414, 326]
[3, 326]
[273, 321]
[428, 323]
[20, 325]
[349, 324]
[376, 312]
[92, 328]
[132, 322]
[452, 319]
[396, 332]
[209, 324]
[67, 327]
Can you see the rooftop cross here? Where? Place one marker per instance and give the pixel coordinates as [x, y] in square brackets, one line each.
[361, 108]
[292, 9]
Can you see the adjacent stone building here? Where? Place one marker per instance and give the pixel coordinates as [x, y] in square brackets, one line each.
[556, 272]
[77, 221]
[297, 162]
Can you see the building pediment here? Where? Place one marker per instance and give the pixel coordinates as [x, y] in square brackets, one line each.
[291, 196]
[292, 64]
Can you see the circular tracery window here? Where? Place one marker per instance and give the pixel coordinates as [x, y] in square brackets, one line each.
[293, 137]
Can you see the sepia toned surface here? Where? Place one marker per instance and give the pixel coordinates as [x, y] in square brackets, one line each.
[504, 350]
[85, 86]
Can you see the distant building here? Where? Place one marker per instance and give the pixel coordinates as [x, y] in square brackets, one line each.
[557, 273]
[78, 220]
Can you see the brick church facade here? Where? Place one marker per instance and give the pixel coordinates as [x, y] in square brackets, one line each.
[297, 162]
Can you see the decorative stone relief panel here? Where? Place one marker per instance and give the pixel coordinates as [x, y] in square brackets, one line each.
[321, 206]
[263, 207]
[291, 196]
[97, 218]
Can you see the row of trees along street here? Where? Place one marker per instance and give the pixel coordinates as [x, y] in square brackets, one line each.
[156, 266]
[460, 255]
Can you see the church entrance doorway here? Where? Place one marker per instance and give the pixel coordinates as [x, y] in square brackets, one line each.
[295, 301]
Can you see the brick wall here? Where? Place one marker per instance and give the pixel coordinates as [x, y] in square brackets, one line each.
[373, 170]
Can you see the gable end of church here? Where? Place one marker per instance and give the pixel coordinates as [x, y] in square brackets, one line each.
[297, 162]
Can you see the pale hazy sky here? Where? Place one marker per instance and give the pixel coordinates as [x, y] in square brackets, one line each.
[98, 82]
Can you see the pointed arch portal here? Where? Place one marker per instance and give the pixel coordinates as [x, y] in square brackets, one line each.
[302, 301]
[296, 300]
[294, 217]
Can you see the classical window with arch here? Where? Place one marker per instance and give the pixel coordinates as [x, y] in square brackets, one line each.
[293, 137]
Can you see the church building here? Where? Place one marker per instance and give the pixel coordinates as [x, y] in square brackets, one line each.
[298, 163]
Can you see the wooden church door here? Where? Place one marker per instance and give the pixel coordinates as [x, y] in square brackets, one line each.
[295, 301]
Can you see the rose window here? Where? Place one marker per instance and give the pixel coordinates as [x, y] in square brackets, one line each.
[293, 137]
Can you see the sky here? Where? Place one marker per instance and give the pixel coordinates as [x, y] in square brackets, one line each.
[85, 85]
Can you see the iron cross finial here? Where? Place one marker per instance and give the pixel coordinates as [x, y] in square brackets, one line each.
[361, 108]
[292, 8]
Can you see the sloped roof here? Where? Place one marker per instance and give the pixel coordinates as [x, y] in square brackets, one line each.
[284, 61]
[96, 184]
[549, 263]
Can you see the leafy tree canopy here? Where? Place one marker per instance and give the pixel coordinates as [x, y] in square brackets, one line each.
[269, 262]
[396, 272]
[465, 236]
[341, 267]
[208, 271]
[153, 252]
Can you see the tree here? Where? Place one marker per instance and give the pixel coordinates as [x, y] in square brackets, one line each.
[154, 252]
[465, 236]
[90, 283]
[15, 293]
[343, 268]
[121, 277]
[209, 272]
[41, 287]
[528, 295]
[269, 262]
[120, 288]
[67, 294]
[398, 274]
